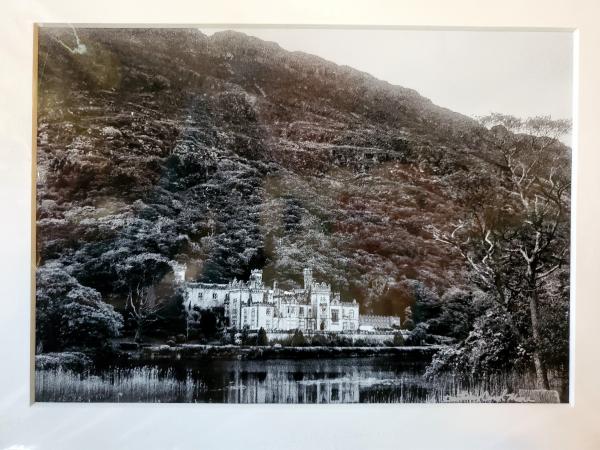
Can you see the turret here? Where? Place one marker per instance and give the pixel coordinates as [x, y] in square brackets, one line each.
[178, 271]
[256, 278]
[307, 278]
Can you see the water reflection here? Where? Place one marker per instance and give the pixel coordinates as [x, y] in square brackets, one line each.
[350, 380]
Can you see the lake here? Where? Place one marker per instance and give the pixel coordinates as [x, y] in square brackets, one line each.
[376, 379]
[339, 380]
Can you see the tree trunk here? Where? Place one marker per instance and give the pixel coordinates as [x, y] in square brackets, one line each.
[540, 367]
[138, 334]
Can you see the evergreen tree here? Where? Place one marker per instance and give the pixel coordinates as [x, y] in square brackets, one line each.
[408, 323]
[298, 339]
[262, 338]
[71, 316]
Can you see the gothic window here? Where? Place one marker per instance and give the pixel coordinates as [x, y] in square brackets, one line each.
[335, 315]
[301, 311]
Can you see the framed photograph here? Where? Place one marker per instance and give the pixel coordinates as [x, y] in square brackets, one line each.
[263, 227]
[258, 216]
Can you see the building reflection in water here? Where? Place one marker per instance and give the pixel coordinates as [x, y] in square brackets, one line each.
[284, 383]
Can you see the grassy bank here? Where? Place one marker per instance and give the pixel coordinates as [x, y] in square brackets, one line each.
[142, 384]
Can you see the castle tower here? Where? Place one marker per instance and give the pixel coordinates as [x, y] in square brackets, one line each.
[256, 278]
[178, 271]
[307, 278]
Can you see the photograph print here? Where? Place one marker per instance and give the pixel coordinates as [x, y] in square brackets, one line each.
[302, 215]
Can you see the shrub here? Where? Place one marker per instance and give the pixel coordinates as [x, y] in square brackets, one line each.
[298, 339]
[398, 340]
[262, 338]
[67, 361]
[409, 324]
[418, 335]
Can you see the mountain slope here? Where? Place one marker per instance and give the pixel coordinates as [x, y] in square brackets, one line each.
[230, 153]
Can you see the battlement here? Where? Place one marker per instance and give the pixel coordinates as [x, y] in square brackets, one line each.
[320, 287]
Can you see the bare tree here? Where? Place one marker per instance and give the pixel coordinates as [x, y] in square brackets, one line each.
[141, 275]
[143, 308]
[517, 233]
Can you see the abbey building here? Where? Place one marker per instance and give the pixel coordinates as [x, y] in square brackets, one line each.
[254, 305]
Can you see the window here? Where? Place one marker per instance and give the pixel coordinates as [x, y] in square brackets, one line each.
[352, 314]
[268, 311]
[199, 295]
[335, 316]
[214, 295]
[301, 311]
[335, 394]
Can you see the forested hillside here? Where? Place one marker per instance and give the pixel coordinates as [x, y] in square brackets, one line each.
[229, 153]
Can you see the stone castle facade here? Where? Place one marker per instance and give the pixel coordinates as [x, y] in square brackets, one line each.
[254, 305]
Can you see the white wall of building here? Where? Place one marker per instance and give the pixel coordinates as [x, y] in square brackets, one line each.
[253, 305]
[205, 296]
